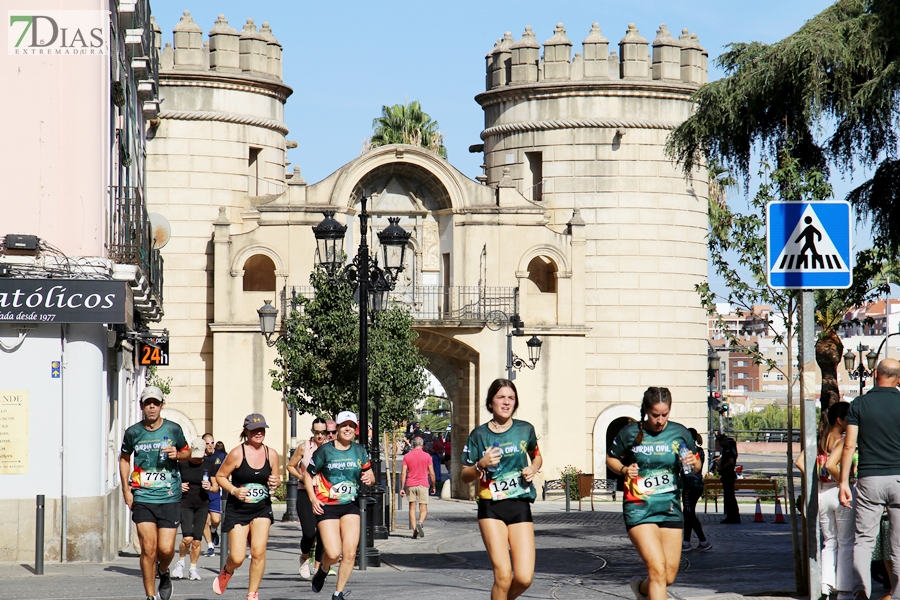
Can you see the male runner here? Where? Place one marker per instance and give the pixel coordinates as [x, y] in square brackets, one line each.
[211, 531]
[152, 490]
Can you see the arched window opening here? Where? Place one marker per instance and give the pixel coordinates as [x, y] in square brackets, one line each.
[542, 272]
[259, 274]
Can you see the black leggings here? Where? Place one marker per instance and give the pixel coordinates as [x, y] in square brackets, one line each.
[691, 522]
[308, 525]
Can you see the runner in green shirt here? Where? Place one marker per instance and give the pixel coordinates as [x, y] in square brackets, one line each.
[503, 455]
[654, 455]
[152, 490]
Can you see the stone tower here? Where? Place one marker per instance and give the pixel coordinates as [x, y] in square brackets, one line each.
[585, 135]
[219, 143]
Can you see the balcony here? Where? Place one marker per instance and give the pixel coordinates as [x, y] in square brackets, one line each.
[130, 246]
[437, 305]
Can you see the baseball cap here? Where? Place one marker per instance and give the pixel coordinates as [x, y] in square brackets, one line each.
[151, 392]
[255, 421]
[198, 448]
[345, 416]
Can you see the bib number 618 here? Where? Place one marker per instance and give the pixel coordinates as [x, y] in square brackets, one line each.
[657, 480]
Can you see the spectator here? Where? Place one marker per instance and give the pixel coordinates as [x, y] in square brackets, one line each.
[416, 477]
[727, 462]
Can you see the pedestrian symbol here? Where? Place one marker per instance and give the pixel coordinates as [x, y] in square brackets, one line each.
[809, 245]
[54, 369]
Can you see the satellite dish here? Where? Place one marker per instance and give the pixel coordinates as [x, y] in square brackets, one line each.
[160, 230]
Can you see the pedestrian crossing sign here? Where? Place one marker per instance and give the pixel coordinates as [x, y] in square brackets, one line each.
[808, 245]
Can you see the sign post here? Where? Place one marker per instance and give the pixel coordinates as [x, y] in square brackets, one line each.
[808, 245]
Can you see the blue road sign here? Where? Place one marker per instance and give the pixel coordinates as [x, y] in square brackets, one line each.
[54, 369]
[808, 245]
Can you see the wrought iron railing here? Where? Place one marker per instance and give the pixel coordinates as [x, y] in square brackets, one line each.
[455, 304]
[129, 240]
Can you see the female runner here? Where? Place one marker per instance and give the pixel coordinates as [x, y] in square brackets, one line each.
[646, 453]
[497, 454]
[332, 480]
[253, 469]
[296, 466]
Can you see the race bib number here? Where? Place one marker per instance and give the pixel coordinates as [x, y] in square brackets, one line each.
[656, 482]
[508, 485]
[345, 490]
[155, 479]
[256, 492]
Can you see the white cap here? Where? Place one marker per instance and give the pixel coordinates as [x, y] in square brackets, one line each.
[345, 416]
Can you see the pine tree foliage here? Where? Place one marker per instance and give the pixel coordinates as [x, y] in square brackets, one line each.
[830, 90]
[407, 124]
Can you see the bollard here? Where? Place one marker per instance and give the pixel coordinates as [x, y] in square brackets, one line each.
[223, 539]
[363, 537]
[568, 497]
[39, 536]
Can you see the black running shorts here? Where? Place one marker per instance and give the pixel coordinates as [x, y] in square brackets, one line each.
[166, 516]
[336, 511]
[193, 521]
[511, 511]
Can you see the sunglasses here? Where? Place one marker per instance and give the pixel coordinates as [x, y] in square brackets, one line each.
[319, 432]
[331, 432]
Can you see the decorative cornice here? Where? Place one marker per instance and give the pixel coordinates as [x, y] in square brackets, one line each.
[575, 124]
[658, 90]
[226, 81]
[211, 115]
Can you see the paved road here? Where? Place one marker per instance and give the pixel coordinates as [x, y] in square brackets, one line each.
[580, 555]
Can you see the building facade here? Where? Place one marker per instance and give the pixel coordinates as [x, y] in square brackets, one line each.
[80, 278]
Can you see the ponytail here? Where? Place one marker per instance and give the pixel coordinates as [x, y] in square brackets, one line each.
[640, 436]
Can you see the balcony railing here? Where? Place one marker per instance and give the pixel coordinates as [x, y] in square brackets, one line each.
[449, 304]
[130, 240]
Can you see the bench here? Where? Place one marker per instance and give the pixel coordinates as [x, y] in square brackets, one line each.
[587, 487]
[758, 487]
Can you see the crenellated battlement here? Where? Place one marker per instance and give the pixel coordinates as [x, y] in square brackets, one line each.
[254, 52]
[667, 59]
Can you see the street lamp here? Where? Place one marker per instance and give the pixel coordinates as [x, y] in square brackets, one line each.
[860, 372]
[373, 283]
[267, 315]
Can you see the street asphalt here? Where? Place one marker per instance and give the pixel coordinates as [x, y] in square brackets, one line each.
[580, 555]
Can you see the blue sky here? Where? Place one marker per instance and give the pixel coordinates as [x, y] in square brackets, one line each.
[345, 60]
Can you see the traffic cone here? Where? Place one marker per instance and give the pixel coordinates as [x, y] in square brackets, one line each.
[758, 518]
[779, 516]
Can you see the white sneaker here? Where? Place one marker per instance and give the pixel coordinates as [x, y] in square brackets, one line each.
[305, 575]
[194, 575]
[178, 571]
[686, 547]
[635, 583]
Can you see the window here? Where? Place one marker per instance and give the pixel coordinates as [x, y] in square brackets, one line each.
[542, 271]
[779, 377]
[740, 363]
[259, 274]
[253, 172]
[535, 167]
[740, 376]
[779, 352]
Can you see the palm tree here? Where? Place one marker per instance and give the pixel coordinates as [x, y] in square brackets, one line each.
[406, 124]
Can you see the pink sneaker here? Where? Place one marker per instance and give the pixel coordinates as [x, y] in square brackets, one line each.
[252, 596]
[221, 582]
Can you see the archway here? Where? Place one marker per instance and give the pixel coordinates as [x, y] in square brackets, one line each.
[611, 432]
[617, 413]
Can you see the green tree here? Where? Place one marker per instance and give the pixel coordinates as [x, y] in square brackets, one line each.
[435, 414]
[407, 124]
[839, 73]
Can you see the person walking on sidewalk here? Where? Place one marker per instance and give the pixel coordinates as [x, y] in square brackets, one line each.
[297, 467]
[872, 427]
[653, 455]
[416, 479]
[503, 456]
[693, 491]
[152, 489]
[198, 481]
[253, 471]
[333, 477]
[727, 475]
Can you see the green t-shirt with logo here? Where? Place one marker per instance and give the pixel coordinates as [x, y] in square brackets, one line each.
[655, 495]
[155, 479]
[338, 472]
[504, 481]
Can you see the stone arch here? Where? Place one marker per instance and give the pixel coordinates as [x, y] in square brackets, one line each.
[604, 420]
[563, 268]
[259, 274]
[240, 257]
[443, 180]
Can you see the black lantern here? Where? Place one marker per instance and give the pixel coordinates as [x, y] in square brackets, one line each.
[871, 360]
[393, 240]
[712, 359]
[267, 316]
[534, 349]
[849, 360]
[330, 242]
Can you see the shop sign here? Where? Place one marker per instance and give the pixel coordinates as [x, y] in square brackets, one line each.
[65, 301]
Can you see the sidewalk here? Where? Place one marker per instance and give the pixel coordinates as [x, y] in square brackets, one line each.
[580, 555]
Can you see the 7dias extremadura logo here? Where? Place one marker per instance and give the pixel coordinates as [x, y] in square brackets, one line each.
[57, 32]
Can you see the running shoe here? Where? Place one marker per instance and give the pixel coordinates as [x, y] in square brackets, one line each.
[337, 596]
[686, 547]
[636, 582]
[318, 580]
[704, 546]
[421, 529]
[252, 596]
[194, 575]
[332, 572]
[178, 571]
[215, 537]
[165, 584]
[304, 570]
[211, 551]
[221, 582]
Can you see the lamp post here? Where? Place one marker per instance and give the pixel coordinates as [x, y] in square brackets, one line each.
[861, 372]
[513, 361]
[267, 315]
[373, 283]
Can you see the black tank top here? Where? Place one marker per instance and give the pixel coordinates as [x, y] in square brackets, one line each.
[256, 481]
